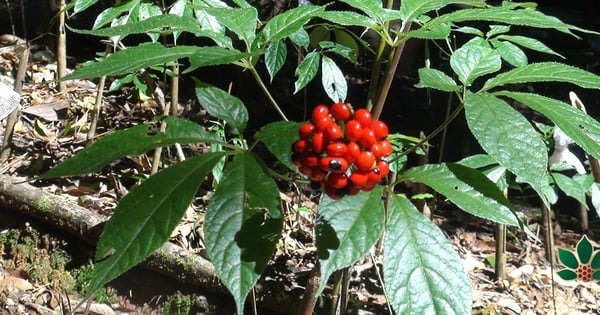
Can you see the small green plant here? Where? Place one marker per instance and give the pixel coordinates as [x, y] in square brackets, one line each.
[421, 271]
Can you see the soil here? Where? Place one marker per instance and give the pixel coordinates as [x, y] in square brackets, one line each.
[52, 126]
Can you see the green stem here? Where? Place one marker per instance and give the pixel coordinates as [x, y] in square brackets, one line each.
[265, 90]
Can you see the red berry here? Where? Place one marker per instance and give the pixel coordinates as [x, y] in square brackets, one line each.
[368, 187]
[306, 170]
[306, 130]
[366, 161]
[322, 123]
[380, 129]
[333, 164]
[337, 180]
[352, 190]
[383, 167]
[364, 117]
[318, 142]
[336, 149]
[374, 177]
[352, 152]
[359, 178]
[340, 111]
[319, 112]
[353, 130]
[378, 150]
[300, 146]
[333, 132]
[311, 159]
[386, 147]
[317, 174]
[367, 138]
[333, 192]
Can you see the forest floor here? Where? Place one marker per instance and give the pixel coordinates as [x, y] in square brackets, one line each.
[47, 271]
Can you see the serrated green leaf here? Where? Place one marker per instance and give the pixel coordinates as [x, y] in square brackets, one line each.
[523, 17]
[215, 55]
[580, 127]
[530, 43]
[569, 187]
[412, 9]
[545, 72]
[346, 229]
[333, 80]
[300, 38]
[278, 137]
[348, 18]
[146, 216]
[275, 57]
[241, 21]
[156, 24]
[222, 105]
[510, 52]
[508, 137]
[242, 225]
[478, 161]
[133, 141]
[346, 45]
[132, 59]
[373, 8]
[414, 251]
[584, 250]
[469, 189]
[497, 29]
[470, 30]
[112, 13]
[568, 258]
[81, 5]
[440, 31]
[595, 196]
[288, 22]
[473, 60]
[436, 79]
[306, 70]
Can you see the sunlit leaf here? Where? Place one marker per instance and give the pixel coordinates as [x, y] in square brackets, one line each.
[436, 79]
[473, 60]
[275, 57]
[306, 70]
[222, 105]
[333, 80]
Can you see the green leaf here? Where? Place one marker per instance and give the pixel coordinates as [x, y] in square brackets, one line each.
[112, 13]
[81, 5]
[497, 29]
[469, 189]
[595, 263]
[373, 8]
[278, 137]
[301, 38]
[222, 105]
[568, 258]
[508, 137]
[570, 187]
[333, 80]
[567, 274]
[473, 60]
[422, 272]
[410, 10]
[306, 70]
[530, 43]
[133, 141]
[241, 21]
[346, 229]
[348, 18]
[584, 250]
[580, 127]
[156, 24]
[288, 22]
[275, 57]
[440, 31]
[215, 55]
[436, 79]
[242, 225]
[132, 59]
[146, 216]
[545, 72]
[510, 52]
[523, 17]
[595, 196]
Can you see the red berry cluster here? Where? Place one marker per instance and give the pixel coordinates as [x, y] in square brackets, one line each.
[584, 272]
[343, 151]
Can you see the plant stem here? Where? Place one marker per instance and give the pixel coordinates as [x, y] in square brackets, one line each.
[309, 300]
[265, 90]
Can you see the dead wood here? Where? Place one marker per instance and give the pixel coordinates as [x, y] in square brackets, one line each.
[86, 225]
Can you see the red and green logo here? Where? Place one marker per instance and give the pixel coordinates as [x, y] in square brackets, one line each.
[584, 264]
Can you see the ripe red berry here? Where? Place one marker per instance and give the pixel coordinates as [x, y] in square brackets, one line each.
[364, 117]
[300, 146]
[310, 159]
[333, 164]
[366, 161]
[333, 132]
[383, 167]
[352, 152]
[318, 142]
[386, 147]
[374, 177]
[353, 130]
[322, 123]
[367, 138]
[380, 129]
[337, 180]
[317, 174]
[306, 170]
[359, 178]
[320, 111]
[336, 149]
[306, 130]
[340, 111]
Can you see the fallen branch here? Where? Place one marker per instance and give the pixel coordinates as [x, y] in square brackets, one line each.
[63, 215]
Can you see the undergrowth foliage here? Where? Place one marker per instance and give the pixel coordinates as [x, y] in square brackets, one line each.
[422, 272]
